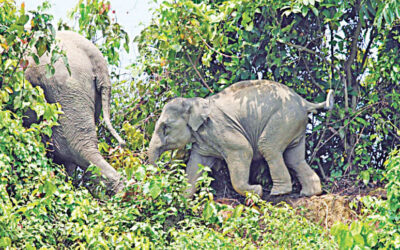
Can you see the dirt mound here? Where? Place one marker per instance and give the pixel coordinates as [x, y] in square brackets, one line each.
[324, 210]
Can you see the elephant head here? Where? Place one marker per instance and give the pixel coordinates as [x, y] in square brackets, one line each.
[174, 129]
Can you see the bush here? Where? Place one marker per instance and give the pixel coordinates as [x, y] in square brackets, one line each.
[380, 225]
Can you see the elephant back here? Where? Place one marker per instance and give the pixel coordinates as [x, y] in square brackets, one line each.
[88, 69]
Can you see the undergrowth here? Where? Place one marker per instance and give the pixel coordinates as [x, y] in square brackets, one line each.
[152, 213]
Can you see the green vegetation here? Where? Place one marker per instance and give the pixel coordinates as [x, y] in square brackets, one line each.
[383, 215]
[197, 48]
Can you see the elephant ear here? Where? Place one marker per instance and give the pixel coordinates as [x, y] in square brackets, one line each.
[198, 110]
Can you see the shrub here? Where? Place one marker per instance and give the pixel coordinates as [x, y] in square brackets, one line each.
[380, 225]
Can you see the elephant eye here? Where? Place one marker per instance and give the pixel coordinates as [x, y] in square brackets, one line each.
[165, 129]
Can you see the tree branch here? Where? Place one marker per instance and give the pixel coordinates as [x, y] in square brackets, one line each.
[372, 36]
[353, 54]
[299, 47]
[332, 55]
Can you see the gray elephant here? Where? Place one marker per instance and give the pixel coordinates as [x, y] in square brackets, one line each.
[244, 122]
[82, 96]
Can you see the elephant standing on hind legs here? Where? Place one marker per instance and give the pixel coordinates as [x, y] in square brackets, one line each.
[244, 122]
[82, 95]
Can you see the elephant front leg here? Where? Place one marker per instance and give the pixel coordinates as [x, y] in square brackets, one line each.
[193, 170]
[239, 169]
[113, 180]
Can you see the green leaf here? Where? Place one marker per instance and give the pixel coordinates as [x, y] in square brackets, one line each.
[49, 188]
[140, 173]
[315, 11]
[23, 20]
[359, 240]
[362, 121]
[372, 239]
[237, 212]
[249, 26]
[346, 241]
[177, 47]
[36, 58]
[365, 176]
[49, 70]
[337, 228]
[154, 189]
[41, 47]
[39, 108]
[5, 242]
[304, 11]
[30, 247]
[209, 211]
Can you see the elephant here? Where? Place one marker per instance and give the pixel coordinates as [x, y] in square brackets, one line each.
[244, 122]
[82, 94]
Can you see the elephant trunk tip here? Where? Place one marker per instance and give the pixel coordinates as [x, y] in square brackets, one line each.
[122, 143]
[114, 133]
[153, 156]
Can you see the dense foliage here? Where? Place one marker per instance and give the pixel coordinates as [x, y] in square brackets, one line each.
[196, 48]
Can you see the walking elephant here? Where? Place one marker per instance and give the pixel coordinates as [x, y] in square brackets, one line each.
[244, 122]
[82, 95]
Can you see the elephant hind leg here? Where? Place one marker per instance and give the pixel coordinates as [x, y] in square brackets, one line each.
[282, 183]
[271, 145]
[309, 180]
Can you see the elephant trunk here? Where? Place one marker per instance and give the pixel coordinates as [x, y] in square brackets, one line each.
[105, 102]
[155, 150]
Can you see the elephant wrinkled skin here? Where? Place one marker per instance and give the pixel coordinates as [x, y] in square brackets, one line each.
[244, 122]
[82, 96]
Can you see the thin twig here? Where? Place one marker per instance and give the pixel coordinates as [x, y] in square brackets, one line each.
[309, 72]
[342, 127]
[321, 169]
[299, 47]
[352, 149]
[198, 73]
[317, 146]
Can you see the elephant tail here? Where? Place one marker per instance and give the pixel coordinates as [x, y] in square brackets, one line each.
[327, 104]
[105, 103]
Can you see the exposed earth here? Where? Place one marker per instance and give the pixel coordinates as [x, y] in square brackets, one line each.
[333, 205]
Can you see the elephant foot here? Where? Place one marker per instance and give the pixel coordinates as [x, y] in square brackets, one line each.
[119, 186]
[258, 190]
[115, 186]
[311, 187]
[255, 189]
[281, 189]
